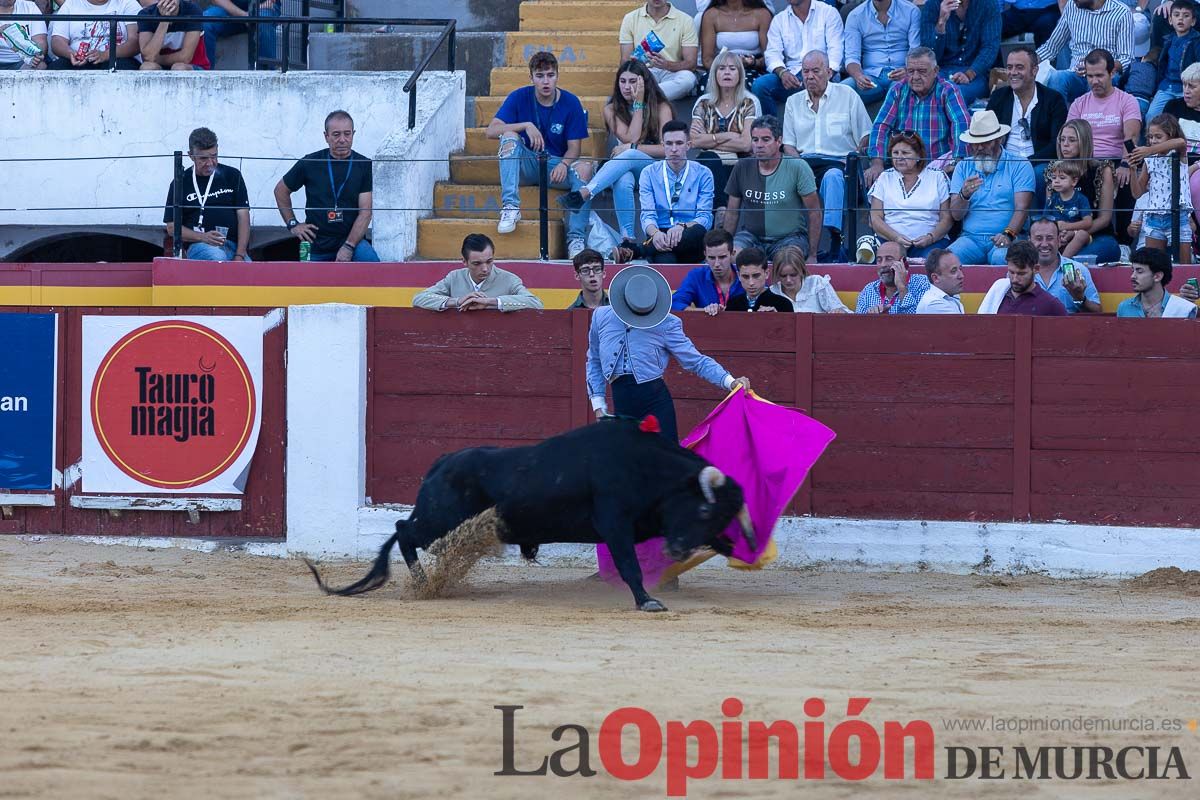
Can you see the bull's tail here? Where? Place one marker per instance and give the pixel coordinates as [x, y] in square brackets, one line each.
[377, 577]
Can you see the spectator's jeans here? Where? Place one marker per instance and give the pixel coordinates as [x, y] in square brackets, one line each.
[922, 252]
[771, 94]
[1068, 83]
[970, 91]
[743, 239]
[1167, 92]
[975, 248]
[876, 95]
[220, 28]
[1038, 21]
[201, 251]
[620, 173]
[1104, 247]
[519, 166]
[831, 183]
[674, 84]
[362, 252]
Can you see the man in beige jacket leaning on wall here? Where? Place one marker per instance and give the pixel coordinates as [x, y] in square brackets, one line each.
[478, 285]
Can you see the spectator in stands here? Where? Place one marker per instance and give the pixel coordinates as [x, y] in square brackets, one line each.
[676, 198]
[965, 38]
[589, 271]
[1098, 185]
[1150, 273]
[810, 293]
[220, 11]
[1068, 280]
[1030, 16]
[1113, 114]
[991, 193]
[634, 114]
[23, 45]
[673, 64]
[910, 203]
[535, 118]
[709, 287]
[337, 194]
[172, 45]
[1062, 201]
[896, 291]
[1024, 295]
[879, 33]
[945, 284]
[804, 26]
[1034, 112]
[216, 216]
[822, 125]
[924, 103]
[755, 277]
[84, 45]
[721, 122]
[768, 193]
[1152, 176]
[726, 25]
[478, 285]
[1180, 51]
[1088, 25]
[1187, 111]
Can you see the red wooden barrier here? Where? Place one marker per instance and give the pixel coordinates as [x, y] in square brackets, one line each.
[986, 418]
[263, 505]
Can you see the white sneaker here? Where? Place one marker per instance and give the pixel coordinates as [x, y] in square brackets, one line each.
[575, 246]
[509, 217]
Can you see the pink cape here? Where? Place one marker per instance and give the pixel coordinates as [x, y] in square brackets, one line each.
[767, 449]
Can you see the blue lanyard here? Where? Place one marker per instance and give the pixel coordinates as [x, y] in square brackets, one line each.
[337, 190]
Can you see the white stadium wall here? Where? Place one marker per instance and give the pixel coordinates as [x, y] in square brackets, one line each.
[265, 114]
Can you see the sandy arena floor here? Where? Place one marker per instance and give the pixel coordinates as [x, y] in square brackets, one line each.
[134, 673]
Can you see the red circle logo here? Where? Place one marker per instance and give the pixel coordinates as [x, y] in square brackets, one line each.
[173, 404]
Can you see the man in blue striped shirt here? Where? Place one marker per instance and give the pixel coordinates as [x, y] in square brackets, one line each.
[1088, 25]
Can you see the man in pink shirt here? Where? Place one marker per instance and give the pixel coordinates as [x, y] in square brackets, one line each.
[1113, 114]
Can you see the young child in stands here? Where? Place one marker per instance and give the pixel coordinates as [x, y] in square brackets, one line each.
[1065, 203]
[1152, 176]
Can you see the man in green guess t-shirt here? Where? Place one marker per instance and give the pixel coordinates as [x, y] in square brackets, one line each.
[773, 200]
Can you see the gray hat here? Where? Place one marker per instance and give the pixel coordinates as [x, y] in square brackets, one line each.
[640, 296]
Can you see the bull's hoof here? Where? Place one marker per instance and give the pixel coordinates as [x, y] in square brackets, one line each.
[652, 605]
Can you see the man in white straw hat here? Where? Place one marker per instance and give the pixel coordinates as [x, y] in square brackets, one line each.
[990, 193]
[629, 344]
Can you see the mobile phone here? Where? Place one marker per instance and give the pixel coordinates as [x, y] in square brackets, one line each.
[1129, 145]
[1192, 282]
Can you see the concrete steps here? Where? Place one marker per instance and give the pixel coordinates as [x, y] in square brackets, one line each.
[577, 80]
[486, 107]
[571, 49]
[478, 144]
[441, 238]
[578, 15]
[482, 201]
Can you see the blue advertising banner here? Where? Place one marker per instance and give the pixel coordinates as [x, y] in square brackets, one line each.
[28, 383]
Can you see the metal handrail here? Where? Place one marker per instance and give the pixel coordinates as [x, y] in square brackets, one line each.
[410, 86]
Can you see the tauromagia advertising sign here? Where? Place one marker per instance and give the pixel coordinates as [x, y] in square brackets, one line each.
[170, 404]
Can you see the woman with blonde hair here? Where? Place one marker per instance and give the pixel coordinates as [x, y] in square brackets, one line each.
[721, 120]
[634, 114]
[811, 293]
[1098, 184]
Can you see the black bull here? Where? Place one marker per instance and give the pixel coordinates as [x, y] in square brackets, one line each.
[608, 483]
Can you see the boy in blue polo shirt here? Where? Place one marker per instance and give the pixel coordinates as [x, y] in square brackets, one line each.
[535, 118]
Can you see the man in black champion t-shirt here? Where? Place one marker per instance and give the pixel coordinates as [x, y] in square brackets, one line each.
[215, 207]
[337, 191]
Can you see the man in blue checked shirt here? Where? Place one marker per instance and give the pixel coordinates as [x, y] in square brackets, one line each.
[629, 344]
[896, 292]
[676, 197]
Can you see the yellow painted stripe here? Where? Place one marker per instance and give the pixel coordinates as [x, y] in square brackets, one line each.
[76, 296]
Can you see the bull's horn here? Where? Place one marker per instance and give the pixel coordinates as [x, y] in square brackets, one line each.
[743, 518]
[711, 478]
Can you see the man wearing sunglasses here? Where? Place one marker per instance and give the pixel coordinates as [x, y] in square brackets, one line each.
[1035, 112]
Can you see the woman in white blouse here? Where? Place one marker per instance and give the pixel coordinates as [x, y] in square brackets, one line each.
[811, 293]
[910, 203]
